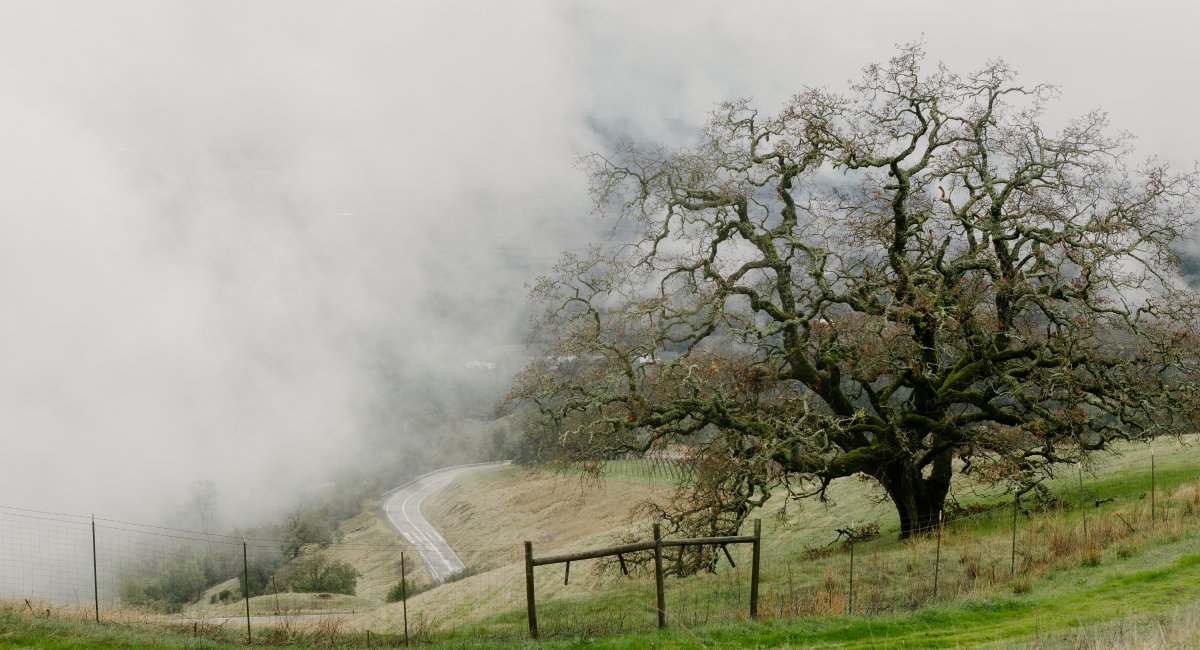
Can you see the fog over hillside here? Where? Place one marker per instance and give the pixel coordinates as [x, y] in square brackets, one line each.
[235, 234]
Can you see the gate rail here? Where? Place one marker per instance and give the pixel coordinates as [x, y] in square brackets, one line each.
[657, 546]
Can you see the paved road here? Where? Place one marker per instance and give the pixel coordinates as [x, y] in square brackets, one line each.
[402, 509]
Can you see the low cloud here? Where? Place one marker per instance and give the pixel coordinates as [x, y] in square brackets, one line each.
[224, 222]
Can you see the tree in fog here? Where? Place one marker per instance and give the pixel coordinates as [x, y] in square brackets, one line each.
[203, 506]
[910, 279]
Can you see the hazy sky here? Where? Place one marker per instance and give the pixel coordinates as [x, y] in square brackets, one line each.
[216, 215]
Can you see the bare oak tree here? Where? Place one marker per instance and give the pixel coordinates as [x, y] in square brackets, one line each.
[908, 280]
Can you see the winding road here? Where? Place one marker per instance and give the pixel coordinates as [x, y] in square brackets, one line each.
[402, 510]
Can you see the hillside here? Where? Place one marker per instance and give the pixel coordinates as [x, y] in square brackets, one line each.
[1127, 582]
[804, 575]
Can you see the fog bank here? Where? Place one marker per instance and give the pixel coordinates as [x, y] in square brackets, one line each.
[227, 224]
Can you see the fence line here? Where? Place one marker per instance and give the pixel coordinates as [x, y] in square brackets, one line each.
[620, 551]
[109, 564]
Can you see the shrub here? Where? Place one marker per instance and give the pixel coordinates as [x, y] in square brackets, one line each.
[394, 594]
[168, 590]
[398, 592]
[314, 572]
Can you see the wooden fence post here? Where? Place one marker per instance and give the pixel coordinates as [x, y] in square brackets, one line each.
[533, 629]
[756, 547]
[657, 546]
[658, 578]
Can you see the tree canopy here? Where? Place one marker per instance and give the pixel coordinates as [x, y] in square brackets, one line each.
[910, 279]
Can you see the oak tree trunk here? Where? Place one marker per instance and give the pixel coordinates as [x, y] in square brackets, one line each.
[918, 494]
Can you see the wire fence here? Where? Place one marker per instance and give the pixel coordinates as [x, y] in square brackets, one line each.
[195, 581]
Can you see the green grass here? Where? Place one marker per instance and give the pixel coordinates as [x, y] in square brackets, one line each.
[23, 631]
[1159, 581]
[1131, 583]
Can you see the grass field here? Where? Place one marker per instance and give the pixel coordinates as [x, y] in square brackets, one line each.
[1130, 582]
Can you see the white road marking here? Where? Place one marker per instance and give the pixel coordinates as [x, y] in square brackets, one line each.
[439, 558]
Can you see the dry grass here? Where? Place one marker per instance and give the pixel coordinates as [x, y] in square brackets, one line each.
[557, 515]
[1188, 498]
[975, 562]
[486, 516]
[1172, 630]
[373, 547]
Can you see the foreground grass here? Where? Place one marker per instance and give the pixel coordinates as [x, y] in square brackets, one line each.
[1147, 600]
[1077, 608]
[1130, 582]
[25, 631]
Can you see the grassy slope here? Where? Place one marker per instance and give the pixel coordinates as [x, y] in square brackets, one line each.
[487, 515]
[23, 631]
[1047, 616]
[1142, 591]
[1138, 575]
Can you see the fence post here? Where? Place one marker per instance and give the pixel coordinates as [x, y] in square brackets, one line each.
[95, 572]
[1012, 569]
[937, 561]
[533, 630]
[404, 595]
[756, 551]
[658, 578]
[246, 587]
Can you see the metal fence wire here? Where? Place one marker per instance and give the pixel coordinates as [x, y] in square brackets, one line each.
[114, 570]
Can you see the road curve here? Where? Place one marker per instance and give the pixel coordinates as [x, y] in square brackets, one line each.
[402, 509]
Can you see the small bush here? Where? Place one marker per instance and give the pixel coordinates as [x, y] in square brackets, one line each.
[315, 573]
[168, 590]
[859, 532]
[394, 594]
[399, 591]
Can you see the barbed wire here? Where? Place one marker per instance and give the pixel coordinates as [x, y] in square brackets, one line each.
[57, 557]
